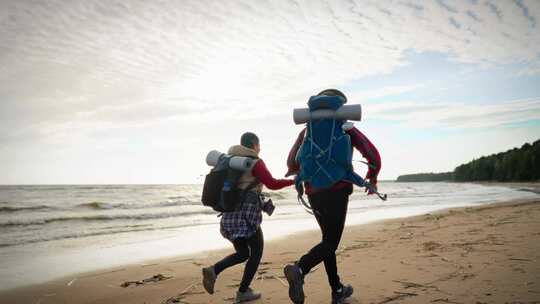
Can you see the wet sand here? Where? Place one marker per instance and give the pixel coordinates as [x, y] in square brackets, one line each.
[487, 254]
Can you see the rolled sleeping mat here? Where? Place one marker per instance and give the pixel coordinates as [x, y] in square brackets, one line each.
[241, 163]
[235, 162]
[346, 112]
[213, 157]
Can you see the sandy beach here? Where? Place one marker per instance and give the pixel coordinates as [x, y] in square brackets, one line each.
[487, 254]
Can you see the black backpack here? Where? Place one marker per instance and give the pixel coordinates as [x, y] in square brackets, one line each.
[220, 187]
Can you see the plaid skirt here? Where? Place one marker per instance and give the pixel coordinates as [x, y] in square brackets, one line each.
[245, 221]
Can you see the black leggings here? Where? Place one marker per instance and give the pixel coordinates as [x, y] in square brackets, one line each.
[330, 211]
[250, 249]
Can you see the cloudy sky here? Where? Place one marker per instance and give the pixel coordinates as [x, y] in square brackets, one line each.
[138, 91]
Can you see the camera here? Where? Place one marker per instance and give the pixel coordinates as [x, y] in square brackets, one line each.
[268, 207]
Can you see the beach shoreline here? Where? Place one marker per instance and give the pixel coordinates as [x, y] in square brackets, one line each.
[365, 240]
[82, 229]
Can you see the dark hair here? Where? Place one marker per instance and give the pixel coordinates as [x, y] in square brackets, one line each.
[249, 140]
[333, 92]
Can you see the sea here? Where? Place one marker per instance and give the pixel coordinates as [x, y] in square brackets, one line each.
[59, 231]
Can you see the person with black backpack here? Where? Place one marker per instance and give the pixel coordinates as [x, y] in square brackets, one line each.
[321, 158]
[241, 226]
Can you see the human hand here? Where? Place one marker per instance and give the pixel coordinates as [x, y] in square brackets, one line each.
[347, 126]
[291, 171]
[373, 183]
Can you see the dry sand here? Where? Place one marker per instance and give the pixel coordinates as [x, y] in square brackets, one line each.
[488, 254]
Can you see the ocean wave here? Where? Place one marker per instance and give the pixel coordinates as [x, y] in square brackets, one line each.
[24, 208]
[192, 199]
[138, 228]
[181, 202]
[108, 206]
[175, 197]
[98, 205]
[105, 217]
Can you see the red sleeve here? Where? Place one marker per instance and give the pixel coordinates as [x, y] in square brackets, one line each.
[368, 151]
[292, 165]
[264, 176]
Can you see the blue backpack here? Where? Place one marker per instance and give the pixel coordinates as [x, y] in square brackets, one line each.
[325, 156]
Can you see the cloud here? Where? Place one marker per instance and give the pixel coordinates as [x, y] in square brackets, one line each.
[473, 15]
[461, 115]
[526, 14]
[383, 92]
[446, 6]
[71, 69]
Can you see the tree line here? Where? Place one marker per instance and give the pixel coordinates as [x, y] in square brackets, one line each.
[518, 164]
[426, 177]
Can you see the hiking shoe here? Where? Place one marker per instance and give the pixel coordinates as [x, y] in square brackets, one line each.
[248, 295]
[209, 279]
[296, 283]
[339, 296]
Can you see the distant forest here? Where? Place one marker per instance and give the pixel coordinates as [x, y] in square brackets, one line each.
[518, 164]
[427, 177]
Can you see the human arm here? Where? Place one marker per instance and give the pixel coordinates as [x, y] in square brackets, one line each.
[369, 152]
[292, 165]
[264, 176]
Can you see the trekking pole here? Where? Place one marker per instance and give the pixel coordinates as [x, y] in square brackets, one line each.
[370, 186]
[372, 189]
[366, 163]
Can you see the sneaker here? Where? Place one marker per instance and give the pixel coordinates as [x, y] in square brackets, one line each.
[209, 279]
[248, 295]
[344, 292]
[296, 283]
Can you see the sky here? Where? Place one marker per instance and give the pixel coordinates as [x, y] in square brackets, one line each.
[101, 92]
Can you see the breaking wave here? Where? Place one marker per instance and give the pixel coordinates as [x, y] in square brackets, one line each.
[104, 218]
[116, 230]
[108, 206]
[24, 208]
